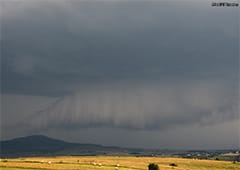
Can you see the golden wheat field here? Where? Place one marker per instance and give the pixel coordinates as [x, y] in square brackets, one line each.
[112, 163]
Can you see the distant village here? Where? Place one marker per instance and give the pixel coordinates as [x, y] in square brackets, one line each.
[226, 155]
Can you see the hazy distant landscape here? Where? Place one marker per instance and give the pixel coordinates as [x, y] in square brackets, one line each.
[39, 145]
[41, 152]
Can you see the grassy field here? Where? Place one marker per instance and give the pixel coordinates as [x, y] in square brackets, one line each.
[110, 162]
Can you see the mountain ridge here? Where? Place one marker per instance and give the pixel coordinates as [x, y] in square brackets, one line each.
[41, 145]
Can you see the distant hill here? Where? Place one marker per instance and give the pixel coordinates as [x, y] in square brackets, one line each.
[36, 144]
[39, 145]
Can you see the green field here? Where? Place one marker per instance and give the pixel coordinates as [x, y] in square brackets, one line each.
[111, 162]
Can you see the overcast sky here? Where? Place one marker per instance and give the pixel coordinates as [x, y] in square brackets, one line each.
[162, 74]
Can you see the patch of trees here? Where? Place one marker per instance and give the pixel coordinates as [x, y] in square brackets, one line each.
[153, 166]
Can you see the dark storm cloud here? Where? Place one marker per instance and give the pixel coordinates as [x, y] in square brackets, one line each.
[50, 48]
[136, 65]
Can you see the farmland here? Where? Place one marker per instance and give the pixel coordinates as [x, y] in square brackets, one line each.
[112, 163]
